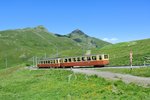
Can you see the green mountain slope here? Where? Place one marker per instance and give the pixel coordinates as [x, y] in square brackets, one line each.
[119, 53]
[86, 41]
[17, 46]
[20, 45]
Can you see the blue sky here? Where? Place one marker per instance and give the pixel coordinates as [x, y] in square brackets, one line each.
[111, 20]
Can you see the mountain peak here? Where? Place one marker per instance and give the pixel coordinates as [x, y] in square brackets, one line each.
[78, 31]
[84, 40]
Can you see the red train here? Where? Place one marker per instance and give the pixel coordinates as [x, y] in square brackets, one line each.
[80, 61]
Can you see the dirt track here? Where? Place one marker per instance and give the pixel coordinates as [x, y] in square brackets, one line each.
[142, 81]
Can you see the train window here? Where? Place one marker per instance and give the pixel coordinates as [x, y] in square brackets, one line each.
[93, 57]
[54, 61]
[48, 61]
[41, 62]
[83, 58]
[65, 60]
[69, 59]
[105, 56]
[78, 59]
[88, 58]
[100, 57]
[74, 59]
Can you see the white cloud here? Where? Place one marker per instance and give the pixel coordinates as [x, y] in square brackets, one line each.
[112, 40]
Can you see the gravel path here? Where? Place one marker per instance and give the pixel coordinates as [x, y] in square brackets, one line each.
[142, 81]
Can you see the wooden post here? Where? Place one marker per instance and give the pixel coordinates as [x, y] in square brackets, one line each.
[131, 58]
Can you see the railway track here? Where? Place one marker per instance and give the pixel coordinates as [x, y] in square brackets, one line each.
[36, 68]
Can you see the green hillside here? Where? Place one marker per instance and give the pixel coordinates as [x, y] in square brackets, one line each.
[84, 40]
[18, 46]
[119, 53]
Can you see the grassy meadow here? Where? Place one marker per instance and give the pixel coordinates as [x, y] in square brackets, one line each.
[143, 71]
[18, 83]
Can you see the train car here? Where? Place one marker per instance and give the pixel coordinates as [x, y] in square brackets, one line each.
[79, 61]
[46, 63]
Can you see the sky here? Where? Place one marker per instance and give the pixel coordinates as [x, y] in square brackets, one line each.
[110, 20]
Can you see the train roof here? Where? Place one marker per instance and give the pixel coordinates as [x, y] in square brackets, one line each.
[70, 57]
